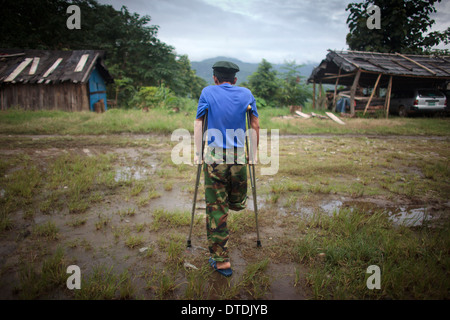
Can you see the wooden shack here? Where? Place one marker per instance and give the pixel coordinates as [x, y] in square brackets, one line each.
[370, 71]
[53, 80]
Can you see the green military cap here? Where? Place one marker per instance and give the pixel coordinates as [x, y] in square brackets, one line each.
[226, 67]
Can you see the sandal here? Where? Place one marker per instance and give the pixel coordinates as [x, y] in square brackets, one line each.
[225, 272]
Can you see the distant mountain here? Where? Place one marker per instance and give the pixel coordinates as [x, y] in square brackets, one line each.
[204, 68]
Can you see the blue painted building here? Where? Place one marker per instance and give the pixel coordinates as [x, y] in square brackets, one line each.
[97, 90]
[53, 80]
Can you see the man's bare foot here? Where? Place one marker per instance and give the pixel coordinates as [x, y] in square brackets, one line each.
[223, 265]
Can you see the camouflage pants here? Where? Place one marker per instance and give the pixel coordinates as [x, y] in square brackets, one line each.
[225, 188]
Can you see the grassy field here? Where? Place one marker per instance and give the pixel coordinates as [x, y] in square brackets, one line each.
[164, 121]
[100, 191]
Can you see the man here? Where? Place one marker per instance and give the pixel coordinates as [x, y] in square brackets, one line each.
[224, 167]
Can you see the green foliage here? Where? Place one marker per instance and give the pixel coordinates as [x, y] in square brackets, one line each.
[52, 275]
[264, 82]
[123, 89]
[148, 97]
[273, 89]
[185, 81]
[405, 26]
[160, 97]
[262, 103]
[346, 243]
[292, 91]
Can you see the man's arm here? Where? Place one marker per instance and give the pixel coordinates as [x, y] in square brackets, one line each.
[254, 123]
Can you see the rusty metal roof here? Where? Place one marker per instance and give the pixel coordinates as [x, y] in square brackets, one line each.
[395, 64]
[45, 66]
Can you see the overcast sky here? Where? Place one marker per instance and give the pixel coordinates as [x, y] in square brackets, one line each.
[250, 30]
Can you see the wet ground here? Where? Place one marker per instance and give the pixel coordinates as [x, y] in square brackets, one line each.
[144, 161]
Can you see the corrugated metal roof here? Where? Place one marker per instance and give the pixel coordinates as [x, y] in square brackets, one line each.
[385, 63]
[44, 66]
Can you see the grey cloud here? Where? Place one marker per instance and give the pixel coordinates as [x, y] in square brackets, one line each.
[251, 30]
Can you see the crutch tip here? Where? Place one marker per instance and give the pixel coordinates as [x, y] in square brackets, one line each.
[189, 244]
[258, 244]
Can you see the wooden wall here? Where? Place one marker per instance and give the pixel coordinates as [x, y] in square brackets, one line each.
[62, 96]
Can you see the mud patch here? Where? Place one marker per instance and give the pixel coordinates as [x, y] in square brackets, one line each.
[288, 282]
[132, 173]
[119, 221]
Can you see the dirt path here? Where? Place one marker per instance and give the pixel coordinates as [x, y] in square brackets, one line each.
[119, 228]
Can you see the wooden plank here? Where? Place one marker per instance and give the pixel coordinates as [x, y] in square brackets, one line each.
[351, 62]
[357, 98]
[84, 104]
[415, 62]
[12, 55]
[303, 115]
[437, 67]
[41, 97]
[53, 67]
[81, 63]
[373, 93]
[334, 118]
[34, 65]
[332, 76]
[376, 64]
[401, 65]
[18, 69]
[318, 116]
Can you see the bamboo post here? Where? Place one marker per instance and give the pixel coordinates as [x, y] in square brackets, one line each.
[373, 93]
[353, 91]
[388, 97]
[335, 90]
[314, 95]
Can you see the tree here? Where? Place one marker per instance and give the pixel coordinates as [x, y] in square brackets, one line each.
[264, 82]
[292, 90]
[185, 82]
[405, 26]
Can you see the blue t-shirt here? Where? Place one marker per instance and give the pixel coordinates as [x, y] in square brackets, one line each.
[227, 107]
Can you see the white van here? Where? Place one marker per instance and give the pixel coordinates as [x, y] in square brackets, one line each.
[405, 102]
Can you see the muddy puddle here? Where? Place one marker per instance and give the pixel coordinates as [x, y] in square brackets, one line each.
[132, 173]
[408, 215]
